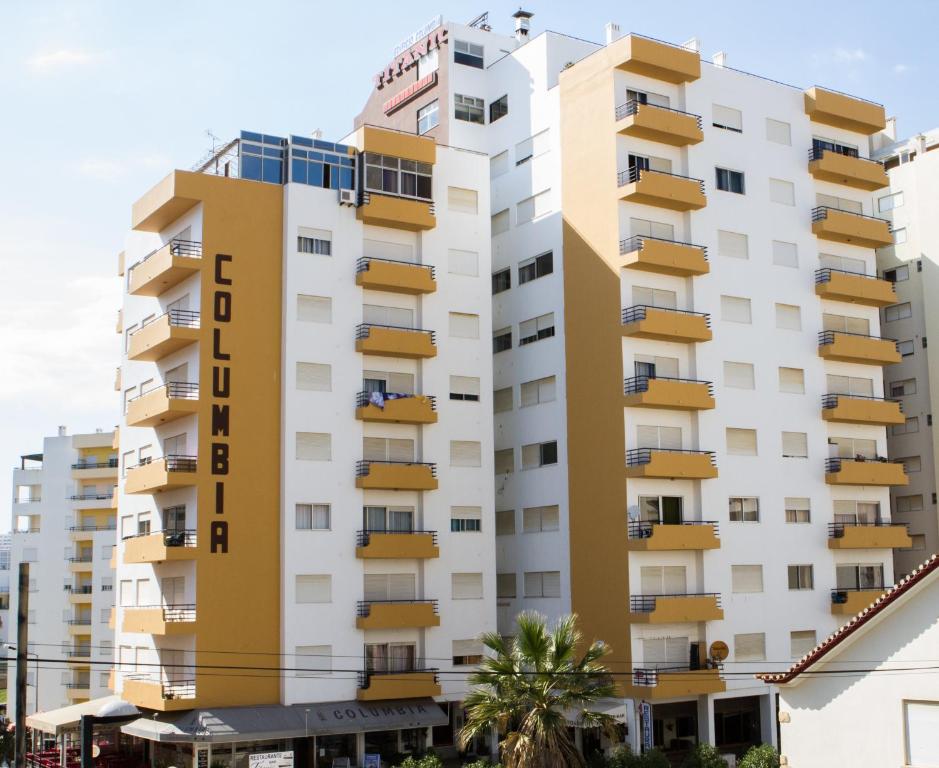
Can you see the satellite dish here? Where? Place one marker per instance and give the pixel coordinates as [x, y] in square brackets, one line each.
[719, 650]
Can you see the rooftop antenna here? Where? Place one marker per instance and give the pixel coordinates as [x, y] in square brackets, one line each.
[215, 139]
[318, 134]
[481, 22]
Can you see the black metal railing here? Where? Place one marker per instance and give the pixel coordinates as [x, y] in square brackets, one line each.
[638, 384]
[818, 151]
[633, 106]
[638, 456]
[638, 312]
[363, 538]
[820, 213]
[362, 467]
[80, 652]
[830, 400]
[80, 559]
[836, 530]
[365, 197]
[635, 173]
[181, 390]
[189, 248]
[109, 464]
[833, 464]
[637, 243]
[179, 463]
[28, 500]
[823, 275]
[79, 684]
[642, 529]
[362, 264]
[648, 677]
[171, 613]
[839, 595]
[182, 318]
[90, 527]
[646, 603]
[171, 538]
[85, 622]
[91, 496]
[179, 689]
[418, 665]
[828, 337]
[84, 589]
[363, 608]
[364, 398]
[362, 330]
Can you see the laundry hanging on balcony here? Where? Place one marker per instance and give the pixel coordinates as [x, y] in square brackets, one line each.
[378, 398]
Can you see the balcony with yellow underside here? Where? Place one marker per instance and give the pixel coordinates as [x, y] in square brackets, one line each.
[848, 602]
[164, 335]
[78, 692]
[160, 547]
[416, 409]
[163, 405]
[166, 474]
[856, 348]
[405, 213]
[653, 58]
[843, 111]
[847, 409]
[881, 535]
[672, 683]
[80, 594]
[847, 170]
[868, 472]
[664, 537]
[159, 696]
[397, 614]
[675, 609]
[80, 627]
[160, 620]
[397, 545]
[387, 686]
[665, 257]
[672, 394]
[659, 124]
[840, 226]
[396, 476]
[661, 189]
[395, 276]
[386, 141]
[80, 564]
[868, 290]
[662, 324]
[95, 469]
[165, 267]
[392, 341]
[670, 464]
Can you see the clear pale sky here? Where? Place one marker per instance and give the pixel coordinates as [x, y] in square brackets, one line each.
[101, 98]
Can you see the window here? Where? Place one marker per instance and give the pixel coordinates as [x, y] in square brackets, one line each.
[728, 118]
[905, 348]
[501, 340]
[504, 461]
[467, 652]
[466, 519]
[314, 446]
[462, 200]
[844, 263]
[464, 388]
[539, 454]
[536, 329]
[539, 266]
[897, 274]
[785, 254]
[795, 445]
[663, 580]
[889, 202]
[782, 192]
[921, 732]
[467, 586]
[532, 207]
[648, 228]
[499, 164]
[730, 181]
[902, 387]
[387, 449]
[907, 427]
[469, 109]
[531, 147]
[428, 117]
[788, 317]
[506, 585]
[838, 203]
[746, 578]
[462, 262]
[801, 577]
[844, 324]
[850, 385]
[899, 236]
[316, 377]
[735, 309]
[388, 381]
[468, 53]
[316, 241]
[464, 326]
[502, 400]
[381, 519]
[652, 436]
[542, 584]
[501, 280]
[540, 519]
[313, 660]
[738, 375]
[314, 309]
[917, 543]
[654, 297]
[744, 509]
[741, 442]
[859, 576]
[505, 522]
[313, 588]
[898, 312]
[465, 453]
[798, 510]
[498, 108]
[397, 176]
[538, 391]
[500, 222]
[778, 132]
[732, 244]
[907, 504]
[750, 647]
[312, 517]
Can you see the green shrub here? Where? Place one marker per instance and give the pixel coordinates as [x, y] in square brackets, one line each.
[653, 759]
[763, 756]
[704, 756]
[430, 760]
[481, 764]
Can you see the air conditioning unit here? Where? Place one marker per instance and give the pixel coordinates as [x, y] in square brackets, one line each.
[347, 197]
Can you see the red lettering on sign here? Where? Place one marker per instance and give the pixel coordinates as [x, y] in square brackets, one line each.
[409, 58]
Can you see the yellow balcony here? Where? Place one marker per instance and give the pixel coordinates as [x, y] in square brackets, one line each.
[397, 614]
[861, 410]
[391, 341]
[397, 545]
[853, 288]
[674, 609]
[80, 655]
[92, 500]
[852, 228]
[855, 172]
[160, 547]
[848, 602]
[79, 594]
[93, 469]
[386, 141]
[658, 60]
[396, 476]
[670, 464]
[661, 124]
[395, 276]
[387, 686]
[164, 474]
[78, 692]
[867, 472]
[80, 564]
[397, 212]
[661, 324]
[159, 696]
[661, 189]
[673, 394]
[160, 620]
[843, 111]
[672, 683]
[855, 348]
[880, 535]
[165, 267]
[166, 334]
[163, 405]
[418, 409]
[664, 537]
[666, 257]
[80, 626]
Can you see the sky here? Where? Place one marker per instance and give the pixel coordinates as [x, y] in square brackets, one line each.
[102, 98]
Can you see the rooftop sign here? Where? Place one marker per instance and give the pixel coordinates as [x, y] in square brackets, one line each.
[429, 27]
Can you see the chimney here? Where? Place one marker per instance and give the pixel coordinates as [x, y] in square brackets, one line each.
[719, 59]
[62, 432]
[522, 24]
[692, 44]
[891, 128]
[611, 32]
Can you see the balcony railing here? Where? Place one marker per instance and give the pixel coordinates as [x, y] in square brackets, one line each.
[638, 456]
[833, 464]
[364, 398]
[179, 689]
[819, 149]
[824, 274]
[190, 248]
[638, 384]
[820, 213]
[636, 243]
[362, 538]
[632, 107]
[109, 464]
[828, 337]
[642, 529]
[79, 684]
[180, 390]
[363, 607]
[173, 613]
[92, 496]
[831, 400]
[416, 666]
[84, 589]
[73, 653]
[839, 595]
[646, 603]
[181, 538]
[362, 265]
[362, 330]
[361, 467]
[836, 530]
[182, 318]
[174, 463]
[634, 174]
[85, 622]
[648, 677]
[28, 500]
[80, 559]
[90, 527]
[638, 312]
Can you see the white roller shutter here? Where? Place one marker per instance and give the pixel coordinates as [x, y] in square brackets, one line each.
[314, 446]
[382, 249]
[400, 450]
[727, 117]
[647, 437]
[462, 262]
[785, 254]
[750, 647]
[464, 385]
[733, 244]
[467, 586]
[735, 309]
[464, 326]
[499, 164]
[314, 376]
[670, 438]
[466, 513]
[502, 400]
[551, 584]
[500, 222]
[788, 317]
[376, 586]
[465, 453]
[922, 733]
[746, 578]
[675, 580]
[504, 461]
[467, 648]
[795, 444]
[314, 309]
[741, 442]
[792, 380]
[402, 586]
[738, 375]
[314, 588]
[783, 192]
[650, 579]
[779, 132]
[379, 315]
[462, 200]
[401, 383]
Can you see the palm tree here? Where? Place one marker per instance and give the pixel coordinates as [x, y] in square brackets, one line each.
[530, 687]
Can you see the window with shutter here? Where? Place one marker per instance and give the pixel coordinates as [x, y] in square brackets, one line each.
[314, 446]
[383, 249]
[735, 309]
[313, 588]
[394, 316]
[316, 241]
[801, 577]
[465, 453]
[538, 519]
[462, 200]
[798, 510]
[504, 461]
[505, 522]
[785, 254]
[647, 228]
[844, 263]
[732, 244]
[464, 388]
[542, 584]
[541, 327]
[737, 375]
[467, 586]
[533, 207]
[746, 578]
[463, 262]
[538, 391]
[466, 519]
[506, 585]
[387, 449]
[750, 647]
[727, 117]
[316, 377]
[313, 660]
[402, 586]
[782, 192]
[499, 164]
[778, 132]
[464, 326]
[500, 222]
[788, 317]
[314, 309]
[467, 652]
[801, 642]
[663, 579]
[921, 720]
[792, 380]
[741, 442]
[795, 445]
[502, 400]
[654, 297]
[744, 509]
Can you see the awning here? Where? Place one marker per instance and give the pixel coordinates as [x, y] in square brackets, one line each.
[615, 708]
[231, 724]
[68, 718]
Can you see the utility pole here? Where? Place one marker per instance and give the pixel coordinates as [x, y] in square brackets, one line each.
[22, 643]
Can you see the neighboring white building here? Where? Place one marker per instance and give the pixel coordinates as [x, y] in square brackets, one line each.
[867, 695]
[64, 526]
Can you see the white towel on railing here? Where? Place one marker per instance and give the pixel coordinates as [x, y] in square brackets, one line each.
[378, 398]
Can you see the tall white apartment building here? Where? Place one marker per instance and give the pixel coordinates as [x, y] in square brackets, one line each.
[63, 526]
